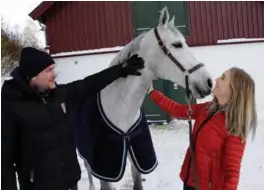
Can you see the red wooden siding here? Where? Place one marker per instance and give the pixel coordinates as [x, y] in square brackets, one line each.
[217, 20]
[75, 26]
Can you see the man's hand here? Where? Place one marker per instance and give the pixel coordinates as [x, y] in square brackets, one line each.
[132, 65]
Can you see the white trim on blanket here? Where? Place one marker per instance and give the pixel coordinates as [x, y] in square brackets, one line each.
[108, 121]
[124, 157]
[107, 178]
[137, 165]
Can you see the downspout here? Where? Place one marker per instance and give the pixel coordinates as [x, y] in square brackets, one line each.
[43, 29]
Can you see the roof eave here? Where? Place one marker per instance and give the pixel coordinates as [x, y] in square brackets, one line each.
[40, 10]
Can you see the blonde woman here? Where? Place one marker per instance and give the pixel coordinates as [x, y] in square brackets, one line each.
[220, 131]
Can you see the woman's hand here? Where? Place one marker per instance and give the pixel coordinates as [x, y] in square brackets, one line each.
[150, 89]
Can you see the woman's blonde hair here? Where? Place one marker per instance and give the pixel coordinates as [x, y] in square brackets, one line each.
[241, 109]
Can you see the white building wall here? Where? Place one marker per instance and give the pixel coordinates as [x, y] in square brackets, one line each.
[217, 59]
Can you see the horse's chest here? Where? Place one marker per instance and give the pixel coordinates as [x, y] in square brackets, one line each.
[105, 147]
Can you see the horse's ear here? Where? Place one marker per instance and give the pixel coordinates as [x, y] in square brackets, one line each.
[172, 21]
[164, 17]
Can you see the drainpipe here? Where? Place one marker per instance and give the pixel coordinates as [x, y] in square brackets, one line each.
[43, 29]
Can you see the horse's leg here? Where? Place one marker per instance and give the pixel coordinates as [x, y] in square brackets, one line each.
[91, 184]
[106, 185]
[137, 179]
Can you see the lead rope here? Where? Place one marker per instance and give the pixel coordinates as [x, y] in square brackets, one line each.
[188, 98]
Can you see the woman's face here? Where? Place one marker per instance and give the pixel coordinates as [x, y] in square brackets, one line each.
[222, 88]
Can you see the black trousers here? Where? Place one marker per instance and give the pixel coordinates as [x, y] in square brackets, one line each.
[185, 187]
[74, 188]
[31, 187]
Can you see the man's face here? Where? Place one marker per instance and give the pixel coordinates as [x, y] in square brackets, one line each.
[45, 80]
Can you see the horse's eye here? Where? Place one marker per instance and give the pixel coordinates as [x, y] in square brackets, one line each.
[177, 45]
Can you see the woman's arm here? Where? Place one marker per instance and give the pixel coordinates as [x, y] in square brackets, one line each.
[234, 150]
[173, 108]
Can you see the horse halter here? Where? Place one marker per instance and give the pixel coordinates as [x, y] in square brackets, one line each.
[176, 62]
[188, 96]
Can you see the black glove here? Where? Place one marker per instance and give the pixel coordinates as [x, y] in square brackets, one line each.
[131, 66]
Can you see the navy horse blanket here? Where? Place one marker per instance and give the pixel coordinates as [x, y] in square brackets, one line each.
[104, 146]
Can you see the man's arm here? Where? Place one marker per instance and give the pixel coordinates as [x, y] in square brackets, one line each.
[82, 89]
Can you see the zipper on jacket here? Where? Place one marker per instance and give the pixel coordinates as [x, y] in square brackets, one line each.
[194, 142]
[31, 176]
[210, 176]
[44, 101]
[210, 185]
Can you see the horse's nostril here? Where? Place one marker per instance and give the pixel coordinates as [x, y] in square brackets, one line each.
[210, 83]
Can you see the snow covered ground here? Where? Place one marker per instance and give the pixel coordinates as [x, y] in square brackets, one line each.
[171, 142]
[170, 145]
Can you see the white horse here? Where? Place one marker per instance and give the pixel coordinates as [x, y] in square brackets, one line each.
[122, 99]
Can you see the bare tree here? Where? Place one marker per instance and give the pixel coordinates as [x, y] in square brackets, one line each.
[30, 35]
[12, 41]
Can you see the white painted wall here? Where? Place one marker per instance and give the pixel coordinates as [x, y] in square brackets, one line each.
[217, 58]
[74, 68]
[249, 57]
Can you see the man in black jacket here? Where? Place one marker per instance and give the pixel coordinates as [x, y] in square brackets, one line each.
[37, 139]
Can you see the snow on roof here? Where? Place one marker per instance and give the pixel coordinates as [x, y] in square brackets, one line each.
[234, 40]
[92, 51]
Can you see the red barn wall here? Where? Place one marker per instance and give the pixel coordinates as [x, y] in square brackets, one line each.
[75, 26]
[215, 20]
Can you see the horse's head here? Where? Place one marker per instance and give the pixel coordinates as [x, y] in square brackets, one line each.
[165, 66]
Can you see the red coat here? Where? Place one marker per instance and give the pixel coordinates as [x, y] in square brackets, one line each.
[218, 155]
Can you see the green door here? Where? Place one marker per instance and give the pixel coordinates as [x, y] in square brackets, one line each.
[153, 113]
[146, 16]
[179, 10]
[176, 93]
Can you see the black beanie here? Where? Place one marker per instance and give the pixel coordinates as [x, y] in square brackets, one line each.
[33, 61]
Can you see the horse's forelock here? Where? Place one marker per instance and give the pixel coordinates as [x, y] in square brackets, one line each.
[177, 32]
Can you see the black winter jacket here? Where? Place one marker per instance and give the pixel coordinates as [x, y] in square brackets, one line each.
[37, 137]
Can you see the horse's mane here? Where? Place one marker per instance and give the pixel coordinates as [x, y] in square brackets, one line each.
[131, 48]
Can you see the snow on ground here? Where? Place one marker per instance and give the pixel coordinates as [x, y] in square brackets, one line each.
[171, 141]
[170, 144]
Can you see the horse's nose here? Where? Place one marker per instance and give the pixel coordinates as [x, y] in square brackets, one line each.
[210, 83]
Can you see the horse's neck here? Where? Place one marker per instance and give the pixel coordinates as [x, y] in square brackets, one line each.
[121, 100]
